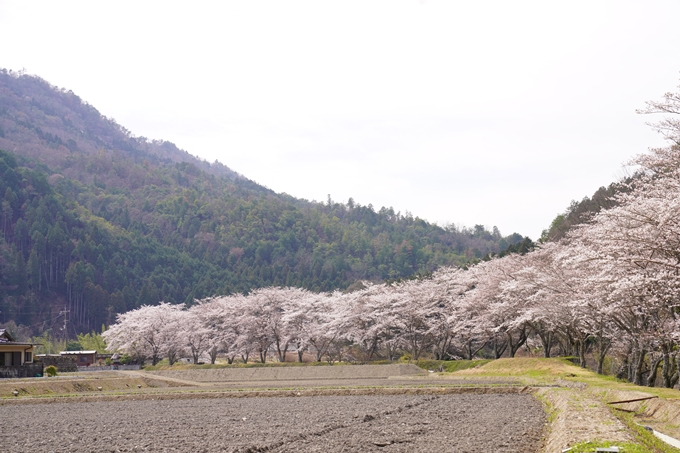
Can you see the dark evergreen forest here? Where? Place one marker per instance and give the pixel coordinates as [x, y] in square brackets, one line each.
[97, 221]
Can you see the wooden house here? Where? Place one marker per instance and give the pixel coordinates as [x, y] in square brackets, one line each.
[83, 358]
[16, 358]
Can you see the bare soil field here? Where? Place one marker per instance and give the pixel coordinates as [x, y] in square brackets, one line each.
[293, 373]
[347, 376]
[500, 406]
[386, 423]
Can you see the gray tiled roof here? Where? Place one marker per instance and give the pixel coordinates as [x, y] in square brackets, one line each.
[5, 336]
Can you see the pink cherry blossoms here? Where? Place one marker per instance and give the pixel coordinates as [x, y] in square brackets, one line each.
[610, 287]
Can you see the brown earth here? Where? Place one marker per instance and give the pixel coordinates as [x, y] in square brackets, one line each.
[578, 413]
[293, 373]
[75, 383]
[579, 416]
[386, 423]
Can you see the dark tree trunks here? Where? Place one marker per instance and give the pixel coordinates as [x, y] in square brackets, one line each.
[639, 365]
[172, 356]
[513, 344]
[669, 369]
[281, 351]
[471, 351]
[603, 345]
[499, 347]
[582, 345]
[213, 355]
[654, 362]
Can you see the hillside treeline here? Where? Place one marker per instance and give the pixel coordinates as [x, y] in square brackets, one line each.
[97, 222]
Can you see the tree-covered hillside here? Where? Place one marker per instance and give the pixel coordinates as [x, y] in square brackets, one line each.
[580, 212]
[99, 222]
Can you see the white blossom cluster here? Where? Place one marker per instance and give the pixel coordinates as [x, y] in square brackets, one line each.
[611, 285]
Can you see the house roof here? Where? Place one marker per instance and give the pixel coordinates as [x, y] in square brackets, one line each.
[77, 352]
[6, 337]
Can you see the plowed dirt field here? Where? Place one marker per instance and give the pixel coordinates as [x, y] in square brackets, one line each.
[385, 423]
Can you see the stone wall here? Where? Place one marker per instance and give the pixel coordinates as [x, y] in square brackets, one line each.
[27, 370]
[63, 364]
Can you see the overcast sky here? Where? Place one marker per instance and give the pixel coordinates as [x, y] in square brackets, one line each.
[494, 113]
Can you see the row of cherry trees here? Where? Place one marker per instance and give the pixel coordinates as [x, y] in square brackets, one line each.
[611, 286]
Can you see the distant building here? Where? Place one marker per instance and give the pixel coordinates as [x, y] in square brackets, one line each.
[16, 358]
[83, 358]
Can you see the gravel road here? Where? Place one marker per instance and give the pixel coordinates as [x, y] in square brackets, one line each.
[395, 423]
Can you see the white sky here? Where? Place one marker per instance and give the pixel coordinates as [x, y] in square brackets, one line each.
[491, 112]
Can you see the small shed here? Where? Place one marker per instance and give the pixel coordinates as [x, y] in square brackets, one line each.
[83, 358]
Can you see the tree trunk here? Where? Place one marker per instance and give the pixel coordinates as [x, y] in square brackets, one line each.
[570, 345]
[675, 364]
[470, 351]
[281, 352]
[172, 357]
[603, 346]
[374, 347]
[514, 347]
[639, 364]
[498, 349]
[602, 353]
[653, 368]
[441, 347]
[547, 340]
[666, 370]
[582, 352]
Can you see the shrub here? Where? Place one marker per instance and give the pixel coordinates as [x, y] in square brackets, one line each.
[51, 371]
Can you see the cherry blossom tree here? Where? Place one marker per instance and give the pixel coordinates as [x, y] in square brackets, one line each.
[147, 332]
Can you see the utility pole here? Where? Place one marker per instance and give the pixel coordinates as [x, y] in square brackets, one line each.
[65, 312]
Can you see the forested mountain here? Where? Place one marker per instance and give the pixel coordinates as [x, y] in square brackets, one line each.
[98, 222]
[580, 212]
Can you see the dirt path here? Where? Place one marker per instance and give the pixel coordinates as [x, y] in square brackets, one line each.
[161, 377]
[579, 416]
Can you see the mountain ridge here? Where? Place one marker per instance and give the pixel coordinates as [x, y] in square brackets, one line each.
[97, 221]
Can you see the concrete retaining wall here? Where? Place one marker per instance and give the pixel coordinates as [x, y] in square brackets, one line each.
[291, 373]
[27, 370]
